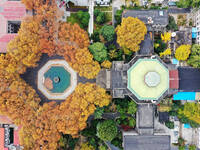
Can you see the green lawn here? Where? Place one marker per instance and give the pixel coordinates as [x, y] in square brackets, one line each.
[104, 8]
[108, 16]
[73, 18]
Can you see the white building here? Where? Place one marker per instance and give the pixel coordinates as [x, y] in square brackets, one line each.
[196, 21]
[80, 2]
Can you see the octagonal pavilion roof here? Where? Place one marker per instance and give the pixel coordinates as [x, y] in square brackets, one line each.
[148, 79]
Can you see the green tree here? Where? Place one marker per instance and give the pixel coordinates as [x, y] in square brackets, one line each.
[159, 46]
[132, 107]
[172, 24]
[118, 16]
[131, 121]
[107, 130]
[98, 112]
[102, 147]
[101, 18]
[95, 36]
[170, 124]
[108, 32]
[84, 18]
[181, 147]
[181, 141]
[188, 3]
[99, 51]
[192, 147]
[194, 59]
[96, 12]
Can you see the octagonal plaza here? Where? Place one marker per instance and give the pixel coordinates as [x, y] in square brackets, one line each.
[56, 79]
[148, 79]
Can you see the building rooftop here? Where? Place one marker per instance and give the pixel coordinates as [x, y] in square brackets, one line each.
[9, 11]
[145, 116]
[158, 16]
[2, 134]
[189, 79]
[148, 79]
[146, 142]
[146, 46]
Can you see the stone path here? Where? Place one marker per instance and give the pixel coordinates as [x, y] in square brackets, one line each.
[91, 12]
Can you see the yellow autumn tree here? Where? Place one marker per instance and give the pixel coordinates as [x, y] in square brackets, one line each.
[106, 64]
[24, 48]
[85, 65]
[166, 37]
[183, 52]
[87, 146]
[79, 106]
[191, 111]
[131, 33]
[166, 52]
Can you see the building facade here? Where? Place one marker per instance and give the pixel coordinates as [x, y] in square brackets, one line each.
[196, 21]
[145, 79]
[11, 15]
[9, 134]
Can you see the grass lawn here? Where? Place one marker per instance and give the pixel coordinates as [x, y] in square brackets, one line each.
[108, 16]
[73, 18]
[104, 8]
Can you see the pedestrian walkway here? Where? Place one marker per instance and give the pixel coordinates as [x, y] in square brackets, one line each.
[91, 21]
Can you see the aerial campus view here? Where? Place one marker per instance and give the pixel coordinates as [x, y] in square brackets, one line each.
[99, 74]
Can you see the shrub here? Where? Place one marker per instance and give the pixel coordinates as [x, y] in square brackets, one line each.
[108, 32]
[107, 130]
[169, 124]
[99, 51]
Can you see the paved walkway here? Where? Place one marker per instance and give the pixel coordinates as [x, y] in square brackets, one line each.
[91, 12]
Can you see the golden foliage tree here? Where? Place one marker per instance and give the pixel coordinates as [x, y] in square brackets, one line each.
[42, 33]
[106, 64]
[131, 33]
[166, 37]
[87, 146]
[24, 48]
[183, 52]
[166, 52]
[191, 111]
[79, 106]
[85, 65]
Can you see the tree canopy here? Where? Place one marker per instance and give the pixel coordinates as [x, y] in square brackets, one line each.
[194, 59]
[107, 130]
[131, 33]
[188, 3]
[43, 124]
[166, 37]
[84, 18]
[99, 51]
[108, 32]
[191, 111]
[183, 52]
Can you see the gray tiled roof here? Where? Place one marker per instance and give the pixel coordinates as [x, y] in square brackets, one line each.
[141, 142]
[145, 116]
[144, 14]
[189, 79]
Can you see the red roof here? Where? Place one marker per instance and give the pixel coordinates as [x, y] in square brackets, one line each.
[173, 79]
[10, 11]
[16, 136]
[2, 134]
[5, 120]
[173, 74]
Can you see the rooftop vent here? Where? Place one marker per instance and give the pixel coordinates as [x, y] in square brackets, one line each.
[150, 20]
[161, 13]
